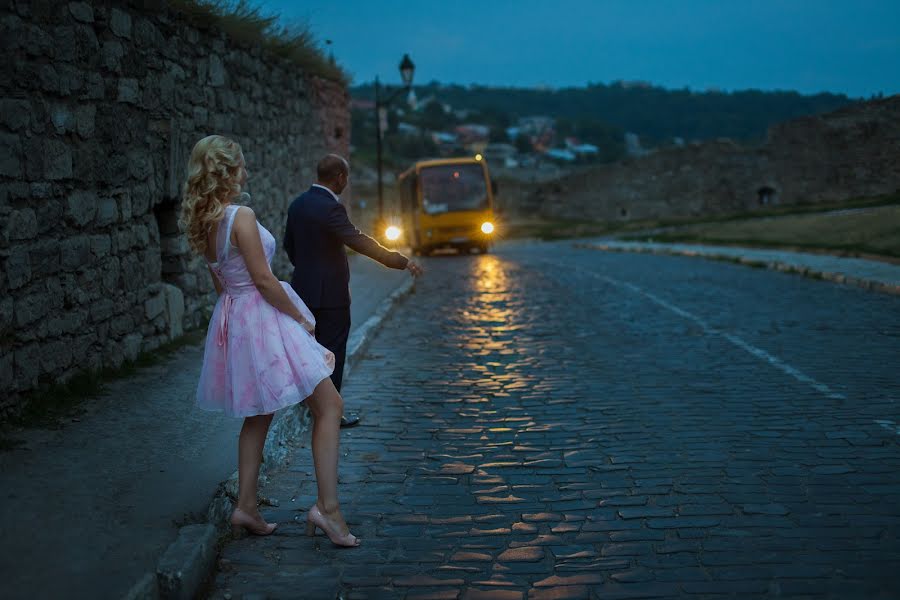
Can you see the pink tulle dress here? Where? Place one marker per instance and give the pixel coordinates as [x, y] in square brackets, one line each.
[257, 359]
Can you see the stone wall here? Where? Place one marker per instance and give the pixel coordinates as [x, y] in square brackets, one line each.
[852, 152]
[100, 105]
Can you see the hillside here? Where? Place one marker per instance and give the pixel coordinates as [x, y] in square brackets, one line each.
[656, 114]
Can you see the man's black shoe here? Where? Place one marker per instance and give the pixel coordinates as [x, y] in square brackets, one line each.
[351, 421]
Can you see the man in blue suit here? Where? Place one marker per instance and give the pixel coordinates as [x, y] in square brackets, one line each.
[317, 230]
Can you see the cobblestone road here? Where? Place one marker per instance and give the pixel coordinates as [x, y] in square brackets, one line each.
[548, 422]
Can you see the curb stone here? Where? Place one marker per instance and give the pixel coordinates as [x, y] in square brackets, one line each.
[187, 562]
[784, 267]
[190, 559]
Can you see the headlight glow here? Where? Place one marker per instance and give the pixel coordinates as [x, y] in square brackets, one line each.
[392, 233]
[487, 227]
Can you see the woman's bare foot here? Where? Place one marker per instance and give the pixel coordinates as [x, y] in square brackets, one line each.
[333, 524]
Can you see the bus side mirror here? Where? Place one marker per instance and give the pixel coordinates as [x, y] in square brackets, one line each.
[493, 187]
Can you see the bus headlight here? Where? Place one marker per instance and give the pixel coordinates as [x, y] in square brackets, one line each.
[393, 233]
[487, 227]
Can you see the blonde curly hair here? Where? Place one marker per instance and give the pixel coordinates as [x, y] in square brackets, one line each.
[213, 180]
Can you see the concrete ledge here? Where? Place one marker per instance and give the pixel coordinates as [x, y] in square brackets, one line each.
[187, 563]
[713, 253]
[145, 589]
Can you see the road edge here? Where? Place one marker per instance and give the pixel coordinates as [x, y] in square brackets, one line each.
[191, 552]
[871, 285]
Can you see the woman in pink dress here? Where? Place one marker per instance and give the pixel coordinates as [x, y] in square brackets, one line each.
[261, 353]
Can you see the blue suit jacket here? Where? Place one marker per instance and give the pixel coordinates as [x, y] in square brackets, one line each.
[317, 230]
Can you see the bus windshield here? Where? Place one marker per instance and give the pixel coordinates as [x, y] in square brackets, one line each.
[448, 188]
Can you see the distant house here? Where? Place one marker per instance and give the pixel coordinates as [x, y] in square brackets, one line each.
[560, 154]
[536, 124]
[408, 129]
[473, 133]
[361, 104]
[499, 153]
[442, 137]
[581, 149]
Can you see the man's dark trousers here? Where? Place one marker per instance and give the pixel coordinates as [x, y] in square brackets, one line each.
[316, 233]
[332, 331]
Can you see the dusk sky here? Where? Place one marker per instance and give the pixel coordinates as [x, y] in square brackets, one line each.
[850, 47]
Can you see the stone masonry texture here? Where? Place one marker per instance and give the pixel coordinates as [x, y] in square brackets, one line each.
[100, 105]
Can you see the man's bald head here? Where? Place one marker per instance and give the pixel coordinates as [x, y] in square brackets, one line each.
[331, 168]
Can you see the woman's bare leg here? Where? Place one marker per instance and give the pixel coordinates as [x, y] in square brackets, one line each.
[250, 449]
[326, 406]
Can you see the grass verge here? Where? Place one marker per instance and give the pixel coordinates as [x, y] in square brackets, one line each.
[874, 232]
[245, 22]
[47, 407]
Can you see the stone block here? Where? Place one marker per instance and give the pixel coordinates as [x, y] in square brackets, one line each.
[125, 208]
[18, 268]
[129, 91]
[27, 366]
[86, 47]
[107, 212]
[100, 245]
[140, 200]
[75, 253]
[102, 309]
[63, 323]
[139, 165]
[85, 118]
[64, 43]
[71, 78]
[94, 88]
[7, 371]
[55, 356]
[6, 314]
[216, 71]
[81, 207]
[109, 275]
[11, 164]
[82, 11]
[15, 114]
[57, 160]
[41, 191]
[111, 56]
[44, 256]
[154, 306]
[22, 225]
[120, 23]
[175, 245]
[121, 325]
[62, 118]
[174, 310]
[112, 355]
[131, 346]
[30, 308]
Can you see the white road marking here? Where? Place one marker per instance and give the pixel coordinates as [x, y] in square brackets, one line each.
[743, 345]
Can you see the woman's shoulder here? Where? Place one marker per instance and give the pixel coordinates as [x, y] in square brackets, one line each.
[244, 214]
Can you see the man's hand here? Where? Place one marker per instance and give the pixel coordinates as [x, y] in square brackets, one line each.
[415, 268]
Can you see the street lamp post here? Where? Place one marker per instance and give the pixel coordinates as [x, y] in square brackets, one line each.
[407, 69]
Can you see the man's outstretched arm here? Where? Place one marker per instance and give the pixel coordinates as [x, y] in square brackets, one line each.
[339, 224]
